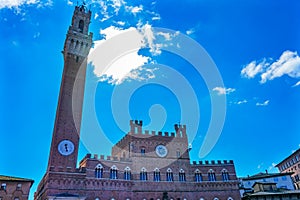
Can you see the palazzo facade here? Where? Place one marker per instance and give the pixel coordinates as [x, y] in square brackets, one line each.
[144, 164]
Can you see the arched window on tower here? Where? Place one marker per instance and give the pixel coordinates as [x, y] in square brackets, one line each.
[113, 172]
[211, 175]
[81, 25]
[198, 176]
[225, 175]
[156, 175]
[182, 175]
[143, 174]
[127, 173]
[169, 175]
[99, 171]
[178, 154]
[143, 151]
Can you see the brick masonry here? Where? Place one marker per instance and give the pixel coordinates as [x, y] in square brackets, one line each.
[102, 177]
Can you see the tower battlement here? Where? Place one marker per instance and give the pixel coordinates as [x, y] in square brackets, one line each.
[79, 41]
[136, 127]
[213, 162]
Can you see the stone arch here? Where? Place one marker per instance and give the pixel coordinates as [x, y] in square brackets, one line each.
[127, 169]
[143, 169]
[81, 25]
[99, 166]
[114, 167]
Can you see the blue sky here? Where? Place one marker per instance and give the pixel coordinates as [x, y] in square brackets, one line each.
[254, 45]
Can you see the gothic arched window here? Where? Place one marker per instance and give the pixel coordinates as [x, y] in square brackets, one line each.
[225, 175]
[143, 174]
[169, 175]
[113, 172]
[156, 175]
[99, 171]
[211, 175]
[198, 176]
[81, 25]
[127, 173]
[182, 175]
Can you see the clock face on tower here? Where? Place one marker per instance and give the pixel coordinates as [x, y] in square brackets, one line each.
[66, 147]
[161, 150]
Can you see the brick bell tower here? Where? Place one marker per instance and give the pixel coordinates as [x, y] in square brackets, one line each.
[65, 139]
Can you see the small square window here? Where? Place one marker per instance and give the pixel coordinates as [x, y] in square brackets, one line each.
[3, 186]
[19, 186]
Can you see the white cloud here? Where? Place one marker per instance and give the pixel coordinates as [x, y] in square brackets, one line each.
[260, 165]
[96, 16]
[252, 69]
[134, 9]
[70, 3]
[242, 102]
[190, 31]
[272, 168]
[16, 4]
[265, 103]
[167, 36]
[128, 66]
[156, 17]
[121, 23]
[287, 64]
[36, 35]
[113, 31]
[223, 91]
[297, 84]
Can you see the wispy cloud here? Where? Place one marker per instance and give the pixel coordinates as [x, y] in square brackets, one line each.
[287, 64]
[265, 103]
[18, 5]
[260, 165]
[36, 35]
[272, 168]
[223, 91]
[297, 84]
[190, 31]
[70, 3]
[134, 9]
[242, 102]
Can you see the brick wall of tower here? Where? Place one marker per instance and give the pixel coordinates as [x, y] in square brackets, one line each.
[69, 109]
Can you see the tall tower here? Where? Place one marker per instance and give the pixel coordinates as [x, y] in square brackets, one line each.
[65, 139]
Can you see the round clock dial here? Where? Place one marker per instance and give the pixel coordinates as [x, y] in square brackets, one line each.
[161, 150]
[66, 147]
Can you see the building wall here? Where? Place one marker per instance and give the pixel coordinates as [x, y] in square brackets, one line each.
[14, 190]
[283, 181]
[292, 164]
[92, 188]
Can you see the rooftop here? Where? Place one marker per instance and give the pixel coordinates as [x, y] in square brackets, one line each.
[11, 178]
[290, 156]
[276, 193]
[265, 175]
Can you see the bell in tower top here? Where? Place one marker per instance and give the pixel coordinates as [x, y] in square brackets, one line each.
[81, 19]
[79, 40]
